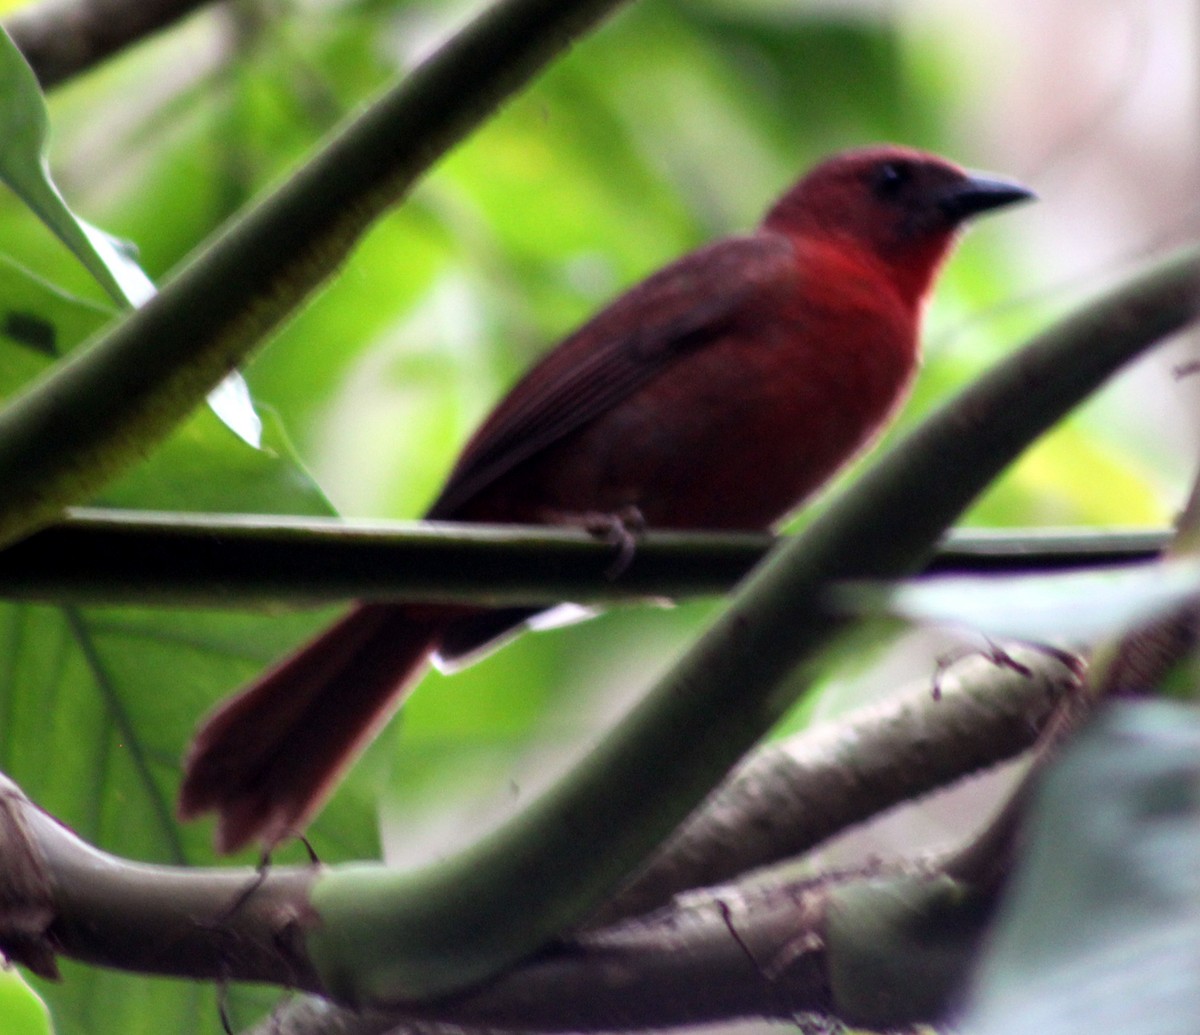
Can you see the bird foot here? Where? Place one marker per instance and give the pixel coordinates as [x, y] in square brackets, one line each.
[620, 528]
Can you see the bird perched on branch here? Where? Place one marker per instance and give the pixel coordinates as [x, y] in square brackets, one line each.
[718, 393]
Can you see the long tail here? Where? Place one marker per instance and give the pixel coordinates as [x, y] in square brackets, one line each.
[266, 759]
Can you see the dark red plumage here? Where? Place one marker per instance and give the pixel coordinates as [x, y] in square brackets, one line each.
[718, 393]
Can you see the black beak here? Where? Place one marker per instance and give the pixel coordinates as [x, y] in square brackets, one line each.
[976, 194]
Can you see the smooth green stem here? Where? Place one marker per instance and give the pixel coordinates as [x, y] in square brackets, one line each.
[108, 557]
[387, 936]
[109, 404]
[242, 560]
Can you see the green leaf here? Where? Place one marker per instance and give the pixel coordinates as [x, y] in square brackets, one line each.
[1101, 929]
[96, 706]
[210, 464]
[39, 323]
[24, 128]
[206, 466]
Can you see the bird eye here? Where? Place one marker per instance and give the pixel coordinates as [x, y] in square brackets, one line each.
[890, 177]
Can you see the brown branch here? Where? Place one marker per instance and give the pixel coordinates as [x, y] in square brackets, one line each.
[858, 944]
[787, 798]
[783, 950]
[725, 957]
[61, 38]
[722, 956]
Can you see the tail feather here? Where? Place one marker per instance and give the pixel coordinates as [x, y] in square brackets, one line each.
[266, 759]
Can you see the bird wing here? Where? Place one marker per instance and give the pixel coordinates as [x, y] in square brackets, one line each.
[682, 307]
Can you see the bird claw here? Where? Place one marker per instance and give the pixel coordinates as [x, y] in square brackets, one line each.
[620, 528]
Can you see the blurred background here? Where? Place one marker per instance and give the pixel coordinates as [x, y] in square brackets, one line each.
[678, 121]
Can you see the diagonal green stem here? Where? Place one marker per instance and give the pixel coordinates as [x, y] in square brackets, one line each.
[387, 936]
[109, 404]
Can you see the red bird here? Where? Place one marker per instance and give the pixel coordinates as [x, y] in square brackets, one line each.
[716, 394]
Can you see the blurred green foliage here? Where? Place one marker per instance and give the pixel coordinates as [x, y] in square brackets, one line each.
[677, 122]
[21, 1010]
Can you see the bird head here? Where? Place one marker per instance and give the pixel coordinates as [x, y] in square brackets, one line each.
[896, 205]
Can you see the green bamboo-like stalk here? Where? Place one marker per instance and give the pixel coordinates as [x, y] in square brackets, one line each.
[100, 557]
[250, 560]
[386, 936]
[109, 404]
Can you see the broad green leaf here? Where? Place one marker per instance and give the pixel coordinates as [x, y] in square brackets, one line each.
[209, 464]
[39, 322]
[1101, 928]
[24, 128]
[1077, 606]
[96, 706]
[206, 466]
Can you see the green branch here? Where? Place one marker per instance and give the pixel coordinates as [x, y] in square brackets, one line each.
[388, 936]
[239, 560]
[109, 404]
[111, 557]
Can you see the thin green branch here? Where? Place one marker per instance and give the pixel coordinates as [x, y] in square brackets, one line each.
[107, 405]
[228, 560]
[138, 557]
[390, 936]
[975, 551]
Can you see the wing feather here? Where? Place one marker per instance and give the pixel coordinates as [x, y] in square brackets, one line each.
[687, 304]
